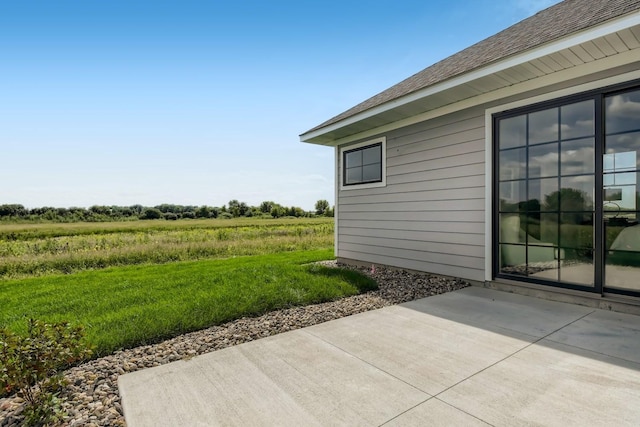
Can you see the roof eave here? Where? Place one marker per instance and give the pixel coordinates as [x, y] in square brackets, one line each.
[323, 136]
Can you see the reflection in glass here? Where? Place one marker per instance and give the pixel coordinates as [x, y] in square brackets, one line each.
[548, 228]
[544, 193]
[576, 232]
[512, 195]
[622, 255]
[513, 259]
[576, 157]
[622, 112]
[513, 164]
[543, 160]
[577, 120]
[354, 175]
[371, 173]
[543, 126]
[353, 159]
[576, 193]
[621, 193]
[513, 132]
[371, 155]
[511, 230]
[580, 271]
[622, 150]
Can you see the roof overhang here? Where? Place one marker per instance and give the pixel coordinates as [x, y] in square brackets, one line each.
[613, 44]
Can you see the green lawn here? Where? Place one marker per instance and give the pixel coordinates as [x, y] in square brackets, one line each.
[134, 305]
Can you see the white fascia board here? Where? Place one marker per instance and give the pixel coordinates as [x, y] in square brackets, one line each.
[512, 61]
[496, 95]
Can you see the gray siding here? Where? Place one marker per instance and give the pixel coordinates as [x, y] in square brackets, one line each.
[430, 216]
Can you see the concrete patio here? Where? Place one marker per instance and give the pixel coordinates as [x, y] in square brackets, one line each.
[471, 357]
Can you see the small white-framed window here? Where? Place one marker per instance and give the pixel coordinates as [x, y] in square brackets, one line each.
[363, 165]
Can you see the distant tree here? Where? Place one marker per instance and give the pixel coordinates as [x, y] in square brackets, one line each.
[278, 211]
[13, 210]
[170, 216]
[151, 213]
[203, 212]
[329, 212]
[265, 207]
[321, 207]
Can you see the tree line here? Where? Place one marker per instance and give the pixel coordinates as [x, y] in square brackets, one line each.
[99, 213]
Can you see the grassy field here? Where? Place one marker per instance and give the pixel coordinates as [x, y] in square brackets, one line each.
[28, 250]
[141, 282]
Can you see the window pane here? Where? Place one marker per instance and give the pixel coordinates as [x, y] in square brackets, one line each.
[354, 175]
[353, 159]
[622, 151]
[577, 157]
[544, 192]
[513, 259]
[371, 173]
[580, 270]
[511, 229]
[576, 232]
[543, 126]
[577, 120]
[513, 164]
[622, 255]
[621, 193]
[622, 112]
[372, 155]
[548, 229]
[513, 194]
[543, 160]
[577, 193]
[513, 132]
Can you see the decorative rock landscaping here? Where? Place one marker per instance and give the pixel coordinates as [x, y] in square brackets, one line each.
[92, 398]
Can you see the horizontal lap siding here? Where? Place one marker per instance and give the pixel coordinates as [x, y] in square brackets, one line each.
[430, 216]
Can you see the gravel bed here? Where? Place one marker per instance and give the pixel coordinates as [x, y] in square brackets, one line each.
[92, 397]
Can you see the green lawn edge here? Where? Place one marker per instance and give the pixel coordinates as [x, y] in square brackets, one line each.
[123, 307]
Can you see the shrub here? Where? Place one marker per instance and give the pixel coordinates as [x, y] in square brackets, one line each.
[32, 365]
[151, 213]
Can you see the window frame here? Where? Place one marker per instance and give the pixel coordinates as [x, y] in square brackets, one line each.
[382, 142]
[599, 94]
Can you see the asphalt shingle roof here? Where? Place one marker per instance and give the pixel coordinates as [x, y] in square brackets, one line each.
[562, 19]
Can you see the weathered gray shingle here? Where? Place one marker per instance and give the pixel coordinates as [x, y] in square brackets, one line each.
[562, 19]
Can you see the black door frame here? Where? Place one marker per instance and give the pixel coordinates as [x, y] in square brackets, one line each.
[598, 95]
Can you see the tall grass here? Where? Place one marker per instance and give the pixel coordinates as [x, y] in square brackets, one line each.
[36, 250]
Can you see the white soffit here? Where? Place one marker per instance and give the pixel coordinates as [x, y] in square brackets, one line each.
[600, 42]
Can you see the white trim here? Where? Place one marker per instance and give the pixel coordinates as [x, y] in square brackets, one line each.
[549, 48]
[335, 201]
[383, 153]
[585, 87]
[488, 198]
[488, 120]
[547, 80]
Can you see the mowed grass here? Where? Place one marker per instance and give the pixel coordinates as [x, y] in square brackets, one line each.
[28, 250]
[134, 305]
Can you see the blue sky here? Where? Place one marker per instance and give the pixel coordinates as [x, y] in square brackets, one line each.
[200, 102]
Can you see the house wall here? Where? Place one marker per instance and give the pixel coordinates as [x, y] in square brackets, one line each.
[430, 216]
[434, 212]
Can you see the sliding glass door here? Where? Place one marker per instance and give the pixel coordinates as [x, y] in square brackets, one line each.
[621, 177]
[567, 206]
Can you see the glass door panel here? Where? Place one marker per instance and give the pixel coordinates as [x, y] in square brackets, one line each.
[621, 195]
